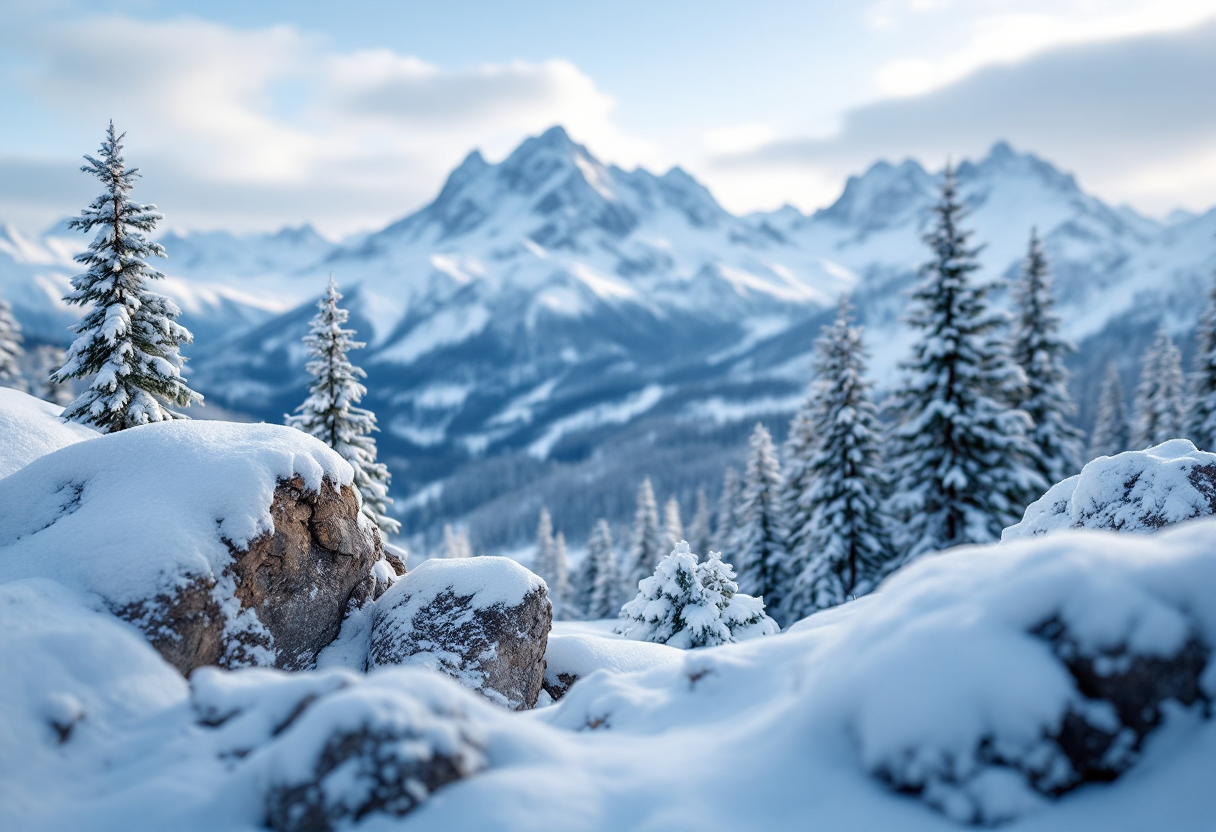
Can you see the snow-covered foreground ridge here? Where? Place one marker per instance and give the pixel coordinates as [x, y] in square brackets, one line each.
[975, 685]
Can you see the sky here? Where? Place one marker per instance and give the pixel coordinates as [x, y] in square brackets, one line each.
[250, 116]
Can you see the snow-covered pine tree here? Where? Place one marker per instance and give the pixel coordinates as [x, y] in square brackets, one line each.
[559, 587]
[698, 530]
[1202, 421]
[673, 526]
[1160, 409]
[605, 597]
[1112, 434]
[47, 358]
[728, 501]
[962, 456]
[329, 413]
[672, 608]
[799, 476]
[129, 340]
[646, 546]
[10, 348]
[1039, 349]
[542, 561]
[844, 547]
[742, 614]
[456, 544]
[760, 534]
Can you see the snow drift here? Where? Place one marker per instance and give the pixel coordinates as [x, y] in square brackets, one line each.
[979, 685]
[30, 428]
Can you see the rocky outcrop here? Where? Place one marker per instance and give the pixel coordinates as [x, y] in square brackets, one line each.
[1137, 491]
[282, 598]
[330, 749]
[483, 621]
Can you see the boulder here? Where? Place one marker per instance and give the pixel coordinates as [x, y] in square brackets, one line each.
[483, 621]
[333, 748]
[296, 580]
[224, 544]
[1136, 491]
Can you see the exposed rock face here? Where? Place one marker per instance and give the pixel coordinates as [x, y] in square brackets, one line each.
[483, 621]
[1137, 491]
[292, 586]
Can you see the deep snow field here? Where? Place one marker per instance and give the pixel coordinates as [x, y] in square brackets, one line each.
[929, 704]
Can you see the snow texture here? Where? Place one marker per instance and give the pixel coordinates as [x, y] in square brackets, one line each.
[30, 428]
[1135, 491]
[911, 687]
[134, 514]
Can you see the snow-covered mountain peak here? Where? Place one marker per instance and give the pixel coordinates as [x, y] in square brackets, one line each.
[884, 196]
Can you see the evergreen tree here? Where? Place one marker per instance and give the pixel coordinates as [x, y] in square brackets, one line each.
[329, 413]
[673, 526]
[599, 583]
[742, 614]
[129, 339]
[760, 534]
[543, 562]
[46, 358]
[10, 348]
[1039, 349]
[647, 545]
[1202, 422]
[698, 529]
[689, 605]
[728, 500]
[961, 453]
[1160, 396]
[843, 548]
[798, 454]
[1112, 435]
[559, 588]
[456, 544]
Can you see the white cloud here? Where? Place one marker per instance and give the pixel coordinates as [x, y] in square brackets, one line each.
[232, 125]
[1129, 116]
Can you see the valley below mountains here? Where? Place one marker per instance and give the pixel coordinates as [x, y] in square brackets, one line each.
[550, 329]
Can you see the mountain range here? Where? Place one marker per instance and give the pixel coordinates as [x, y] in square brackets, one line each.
[550, 329]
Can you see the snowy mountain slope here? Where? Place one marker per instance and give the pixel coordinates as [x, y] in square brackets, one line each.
[550, 319]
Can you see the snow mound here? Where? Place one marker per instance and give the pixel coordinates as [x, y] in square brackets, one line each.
[30, 428]
[979, 685]
[570, 657]
[134, 514]
[985, 680]
[487, 582]
[1136, 491]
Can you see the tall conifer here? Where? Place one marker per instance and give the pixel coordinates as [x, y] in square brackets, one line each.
[1160, 408]
[1202, 416]
[963, 461]
[129, 340]
[1039, 349]
[330, 413]
[1112, 434]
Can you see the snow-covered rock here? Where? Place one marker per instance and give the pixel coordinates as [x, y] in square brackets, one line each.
[223, 543]
[1135, 491]
[335, 747]
[483, 621]
[30, 428]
